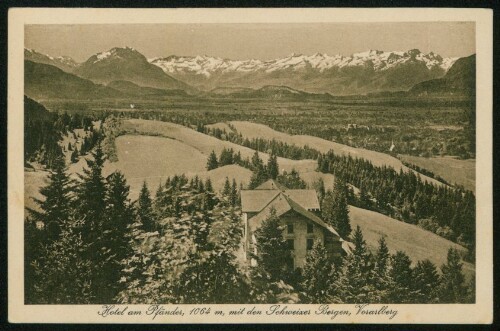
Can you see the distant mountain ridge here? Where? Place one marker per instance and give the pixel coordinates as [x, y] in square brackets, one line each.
[44, 81]
[364, 72]
[460, 79]
[316, 76]
[127, 64]
[65, 63]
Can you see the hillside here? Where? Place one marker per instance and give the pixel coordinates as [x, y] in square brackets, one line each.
[460, 79]
[65, 63]
[455, 171]
[359, 73]
[127, 64]
[43, 81]
[253, 130]
[418, 243]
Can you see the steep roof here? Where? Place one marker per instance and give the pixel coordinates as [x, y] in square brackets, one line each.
[271, 184]
[283, 204]
[253, 201]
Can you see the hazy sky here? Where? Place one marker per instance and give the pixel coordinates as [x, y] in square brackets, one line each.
[257, 41]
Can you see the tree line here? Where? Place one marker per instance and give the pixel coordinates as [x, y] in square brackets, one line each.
[44, 130]
[271, 146]
[446, 211]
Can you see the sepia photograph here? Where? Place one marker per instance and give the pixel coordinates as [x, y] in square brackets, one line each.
[299, 167]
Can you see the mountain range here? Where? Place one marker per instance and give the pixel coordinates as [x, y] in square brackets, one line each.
[120, 71]
[359, 73]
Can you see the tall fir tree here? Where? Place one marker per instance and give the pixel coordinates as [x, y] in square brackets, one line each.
[234, 196]
[335, 211]
[273, 254]
[55, 208]
[272, 166]
[91, 197]
[382, 280]
[401, 273]
[341, 209]
[116, 236]
[212, 162]
[145, 211]
[426, 281]
[355, 281]
[453, 288]
[226, 191]
[318, 274]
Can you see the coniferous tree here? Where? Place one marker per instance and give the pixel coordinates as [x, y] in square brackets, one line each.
[426, 282]
[55, 208]
[64, 275]
[355, 280]
[382, 280]
[273, 254]
[208, 185]
[226, 191]
[452, 289]
[91, 197]
[318, 274]
[212, 162]
[401, 274]
[234, 197]
[145, 209]
[340, 208]
[272, 166]
[116, 236]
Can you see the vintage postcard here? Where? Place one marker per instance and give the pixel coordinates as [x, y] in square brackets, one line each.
[250, 166]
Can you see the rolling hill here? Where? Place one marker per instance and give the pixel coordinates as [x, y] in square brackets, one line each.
[253, 130]
[417, 243]
[44, 81]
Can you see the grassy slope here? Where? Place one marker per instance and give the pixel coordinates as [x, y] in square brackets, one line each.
[461, 172]
[253, 130]
[205, 144]
[418, 243]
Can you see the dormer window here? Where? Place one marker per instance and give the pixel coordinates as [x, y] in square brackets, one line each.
[289, 228]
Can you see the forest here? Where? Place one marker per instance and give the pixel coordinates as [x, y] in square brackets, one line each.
[446, 211]
[88, 243]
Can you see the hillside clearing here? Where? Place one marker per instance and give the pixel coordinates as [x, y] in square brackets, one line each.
[418, 243]
[461, 172]
[205, 144]
[252, 130]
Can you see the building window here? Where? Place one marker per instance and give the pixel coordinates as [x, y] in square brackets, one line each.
[310, 228]
[291, 244]
[289, 228]
[310, 244]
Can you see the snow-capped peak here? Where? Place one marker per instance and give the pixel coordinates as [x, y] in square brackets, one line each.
[379, 60]
[116, 52]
